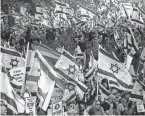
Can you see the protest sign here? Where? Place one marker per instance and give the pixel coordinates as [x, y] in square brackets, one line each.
[57, 95]
[57, 109]
[30, 106]
[140, 107]
[17, 73]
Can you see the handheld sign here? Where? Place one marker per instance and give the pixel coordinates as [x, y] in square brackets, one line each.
[57, 95]
[140, 107]
[17, 73]
[30, 106]
[57, 109]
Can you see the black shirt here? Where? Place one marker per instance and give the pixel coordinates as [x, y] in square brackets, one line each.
[105, 106]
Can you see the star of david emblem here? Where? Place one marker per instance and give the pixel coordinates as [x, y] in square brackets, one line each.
[71, 69]
[14, 62]
[114, 68]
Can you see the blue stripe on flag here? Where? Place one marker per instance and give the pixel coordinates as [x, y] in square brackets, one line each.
[136, 96]
[10, 52]
[119, 81]
[108, 55]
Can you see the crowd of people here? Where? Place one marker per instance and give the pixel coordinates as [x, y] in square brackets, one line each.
[117, 102]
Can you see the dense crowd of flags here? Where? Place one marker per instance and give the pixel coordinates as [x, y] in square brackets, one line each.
[43, 68]
[48, 68]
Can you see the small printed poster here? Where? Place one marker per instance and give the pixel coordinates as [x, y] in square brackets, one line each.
[140, 107]
[57, 109]
[30, 105]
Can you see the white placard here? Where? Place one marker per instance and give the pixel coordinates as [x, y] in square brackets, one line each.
[17, 73]
[30, 105]
[140, 107]
[57, 95]
[57, 109]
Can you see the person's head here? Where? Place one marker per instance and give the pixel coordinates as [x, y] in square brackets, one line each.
[124, 102]
[111, 98]
[28, 28]
[78, 60]
[104, 83]
[114, 91]
[127, 95]
[82, 105]
[117, 95]
[98, 98]
[114, 99]
[97, 104]
[35, 28]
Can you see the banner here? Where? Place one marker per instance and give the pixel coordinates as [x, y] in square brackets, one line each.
[17, 73]
[30, 106]
[57, 95]
[57, 109]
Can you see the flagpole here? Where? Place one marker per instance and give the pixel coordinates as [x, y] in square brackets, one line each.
[97, 87]
[143, 72]
[24, 76]
[139, 63]
[96, 73]
[97, 81]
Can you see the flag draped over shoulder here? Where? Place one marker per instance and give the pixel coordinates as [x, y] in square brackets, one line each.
[46, 81]
[13, 62]
[112, 69]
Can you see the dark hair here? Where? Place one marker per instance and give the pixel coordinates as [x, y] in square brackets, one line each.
[91, 112]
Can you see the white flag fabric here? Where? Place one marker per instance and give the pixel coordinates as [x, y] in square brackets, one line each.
[33, 68]
[46, 82]
[67, 65]
[12, 61]
[111, 68]
[68, 68]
